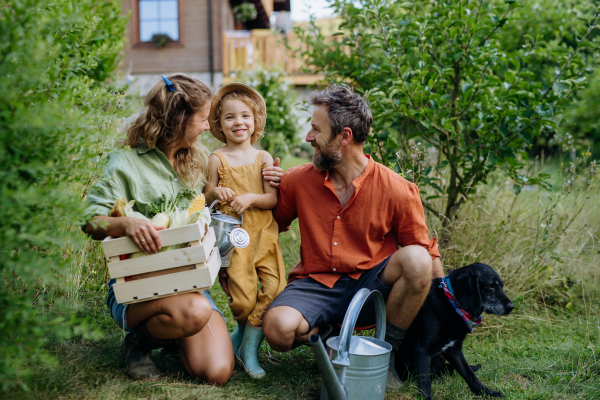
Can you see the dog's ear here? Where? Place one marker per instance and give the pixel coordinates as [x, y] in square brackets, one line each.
[466, 290]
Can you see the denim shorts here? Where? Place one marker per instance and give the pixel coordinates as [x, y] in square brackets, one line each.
[119, 311]
[320, 305]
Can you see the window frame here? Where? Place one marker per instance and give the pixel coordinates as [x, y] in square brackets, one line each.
[135, 31]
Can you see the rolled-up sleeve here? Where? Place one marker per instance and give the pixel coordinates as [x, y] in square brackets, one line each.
[107, 190]
[101, 197]
[411, 228]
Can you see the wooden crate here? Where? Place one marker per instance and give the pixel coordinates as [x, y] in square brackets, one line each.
[190, 269]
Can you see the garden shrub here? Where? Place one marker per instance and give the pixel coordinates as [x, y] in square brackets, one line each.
[442, 74]
[57, 59]
[281, 130]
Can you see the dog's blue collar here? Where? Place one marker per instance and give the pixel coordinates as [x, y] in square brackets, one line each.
[471, 321]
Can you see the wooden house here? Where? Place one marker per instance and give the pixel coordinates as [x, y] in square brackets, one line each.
[198, 37]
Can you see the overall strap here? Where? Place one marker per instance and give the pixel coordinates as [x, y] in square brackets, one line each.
[222, 158]
[259, 157]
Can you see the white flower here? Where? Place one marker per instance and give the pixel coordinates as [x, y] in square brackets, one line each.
[281, 121]
[280, 108]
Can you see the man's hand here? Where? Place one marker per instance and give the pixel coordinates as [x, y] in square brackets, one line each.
[223, 276]
[273, 174]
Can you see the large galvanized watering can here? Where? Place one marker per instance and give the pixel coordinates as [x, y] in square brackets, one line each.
[359, 365]
[229, 233]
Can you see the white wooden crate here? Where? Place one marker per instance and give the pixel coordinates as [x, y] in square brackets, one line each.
[190, 269]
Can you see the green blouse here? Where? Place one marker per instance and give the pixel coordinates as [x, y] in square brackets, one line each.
[139, 174]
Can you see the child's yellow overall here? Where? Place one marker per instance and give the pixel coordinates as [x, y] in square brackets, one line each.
[262, 258]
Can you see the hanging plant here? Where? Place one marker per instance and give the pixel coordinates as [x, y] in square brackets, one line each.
[244, 12]
[160, 39]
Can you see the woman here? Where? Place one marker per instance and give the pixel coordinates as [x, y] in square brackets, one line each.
[164, 158]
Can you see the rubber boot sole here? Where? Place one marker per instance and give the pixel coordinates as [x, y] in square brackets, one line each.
[252, 375]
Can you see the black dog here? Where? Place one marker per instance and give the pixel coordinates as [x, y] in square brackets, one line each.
[438, 330]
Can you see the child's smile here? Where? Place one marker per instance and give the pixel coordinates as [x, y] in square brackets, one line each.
[237, 121]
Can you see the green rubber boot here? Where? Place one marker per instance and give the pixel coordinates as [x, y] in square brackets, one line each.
[248, 353]
[236, 338]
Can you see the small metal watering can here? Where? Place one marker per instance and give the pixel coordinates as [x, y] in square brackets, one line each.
[229, 234]
[359, 365]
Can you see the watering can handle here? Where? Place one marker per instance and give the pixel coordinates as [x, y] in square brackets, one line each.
[350, 322]
[215, 202]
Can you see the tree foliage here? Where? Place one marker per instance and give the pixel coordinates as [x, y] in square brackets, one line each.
[468, 78]
[56, 57]
[281, 129]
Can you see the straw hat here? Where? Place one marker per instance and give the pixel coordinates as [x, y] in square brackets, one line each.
[235, 87]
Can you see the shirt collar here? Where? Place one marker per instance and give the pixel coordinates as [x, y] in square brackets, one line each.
[358, 181]
[142, 147]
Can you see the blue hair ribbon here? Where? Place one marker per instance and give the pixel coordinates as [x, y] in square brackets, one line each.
[168, 82]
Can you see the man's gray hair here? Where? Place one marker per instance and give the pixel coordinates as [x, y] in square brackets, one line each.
[345, 109]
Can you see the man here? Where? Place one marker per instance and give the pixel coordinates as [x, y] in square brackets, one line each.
[353, 215]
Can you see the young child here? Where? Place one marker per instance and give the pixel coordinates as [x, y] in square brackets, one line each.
[237, 118]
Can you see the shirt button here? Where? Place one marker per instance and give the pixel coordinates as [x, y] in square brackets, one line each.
[338, 217]
[335, 243]
[175, 179]
[334, 269]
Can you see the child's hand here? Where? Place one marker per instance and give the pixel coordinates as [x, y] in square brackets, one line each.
[241, 203]
[223, 276]
[224, 194]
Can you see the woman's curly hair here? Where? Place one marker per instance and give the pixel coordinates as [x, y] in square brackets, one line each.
[163, 122]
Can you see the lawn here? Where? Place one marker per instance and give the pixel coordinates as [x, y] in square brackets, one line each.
[543, 244]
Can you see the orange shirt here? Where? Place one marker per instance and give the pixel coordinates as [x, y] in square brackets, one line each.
[384, 212]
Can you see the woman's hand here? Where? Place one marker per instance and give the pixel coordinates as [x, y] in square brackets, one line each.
[273, 174]
[224, 194]
[144, 234]
[241, 203]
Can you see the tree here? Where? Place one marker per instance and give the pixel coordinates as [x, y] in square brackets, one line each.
[441, 73]
[57, 58]
[281, 129]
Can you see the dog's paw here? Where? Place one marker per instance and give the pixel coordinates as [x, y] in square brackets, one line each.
[492, 393]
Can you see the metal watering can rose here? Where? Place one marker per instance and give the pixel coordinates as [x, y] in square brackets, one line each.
[355, 367]
[229, 234]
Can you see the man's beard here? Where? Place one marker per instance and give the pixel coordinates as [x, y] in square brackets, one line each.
[328, 158]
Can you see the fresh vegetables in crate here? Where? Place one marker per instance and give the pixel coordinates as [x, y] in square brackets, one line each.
[165, 213]
[187, 262]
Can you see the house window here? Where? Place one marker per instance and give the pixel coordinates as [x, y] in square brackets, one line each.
[159, 17]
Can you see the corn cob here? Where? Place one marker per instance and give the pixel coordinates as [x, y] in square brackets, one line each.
[197, 204]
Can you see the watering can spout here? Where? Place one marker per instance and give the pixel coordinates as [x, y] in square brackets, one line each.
[335, 389]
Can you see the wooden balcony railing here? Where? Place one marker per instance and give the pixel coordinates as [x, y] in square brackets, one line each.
[245, 51]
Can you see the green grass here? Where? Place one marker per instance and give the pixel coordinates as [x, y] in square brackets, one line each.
[545, 246]
[525, 356]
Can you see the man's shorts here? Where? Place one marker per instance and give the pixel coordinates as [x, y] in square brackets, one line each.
[320, 305]
[119, 311]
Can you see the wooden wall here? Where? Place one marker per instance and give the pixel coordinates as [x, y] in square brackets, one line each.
[192, 53]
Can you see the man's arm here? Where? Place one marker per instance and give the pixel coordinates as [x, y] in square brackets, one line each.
[286, 211]
[411, 228]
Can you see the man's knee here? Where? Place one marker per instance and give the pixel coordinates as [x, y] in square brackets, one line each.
[415, 266]
[280, 326]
